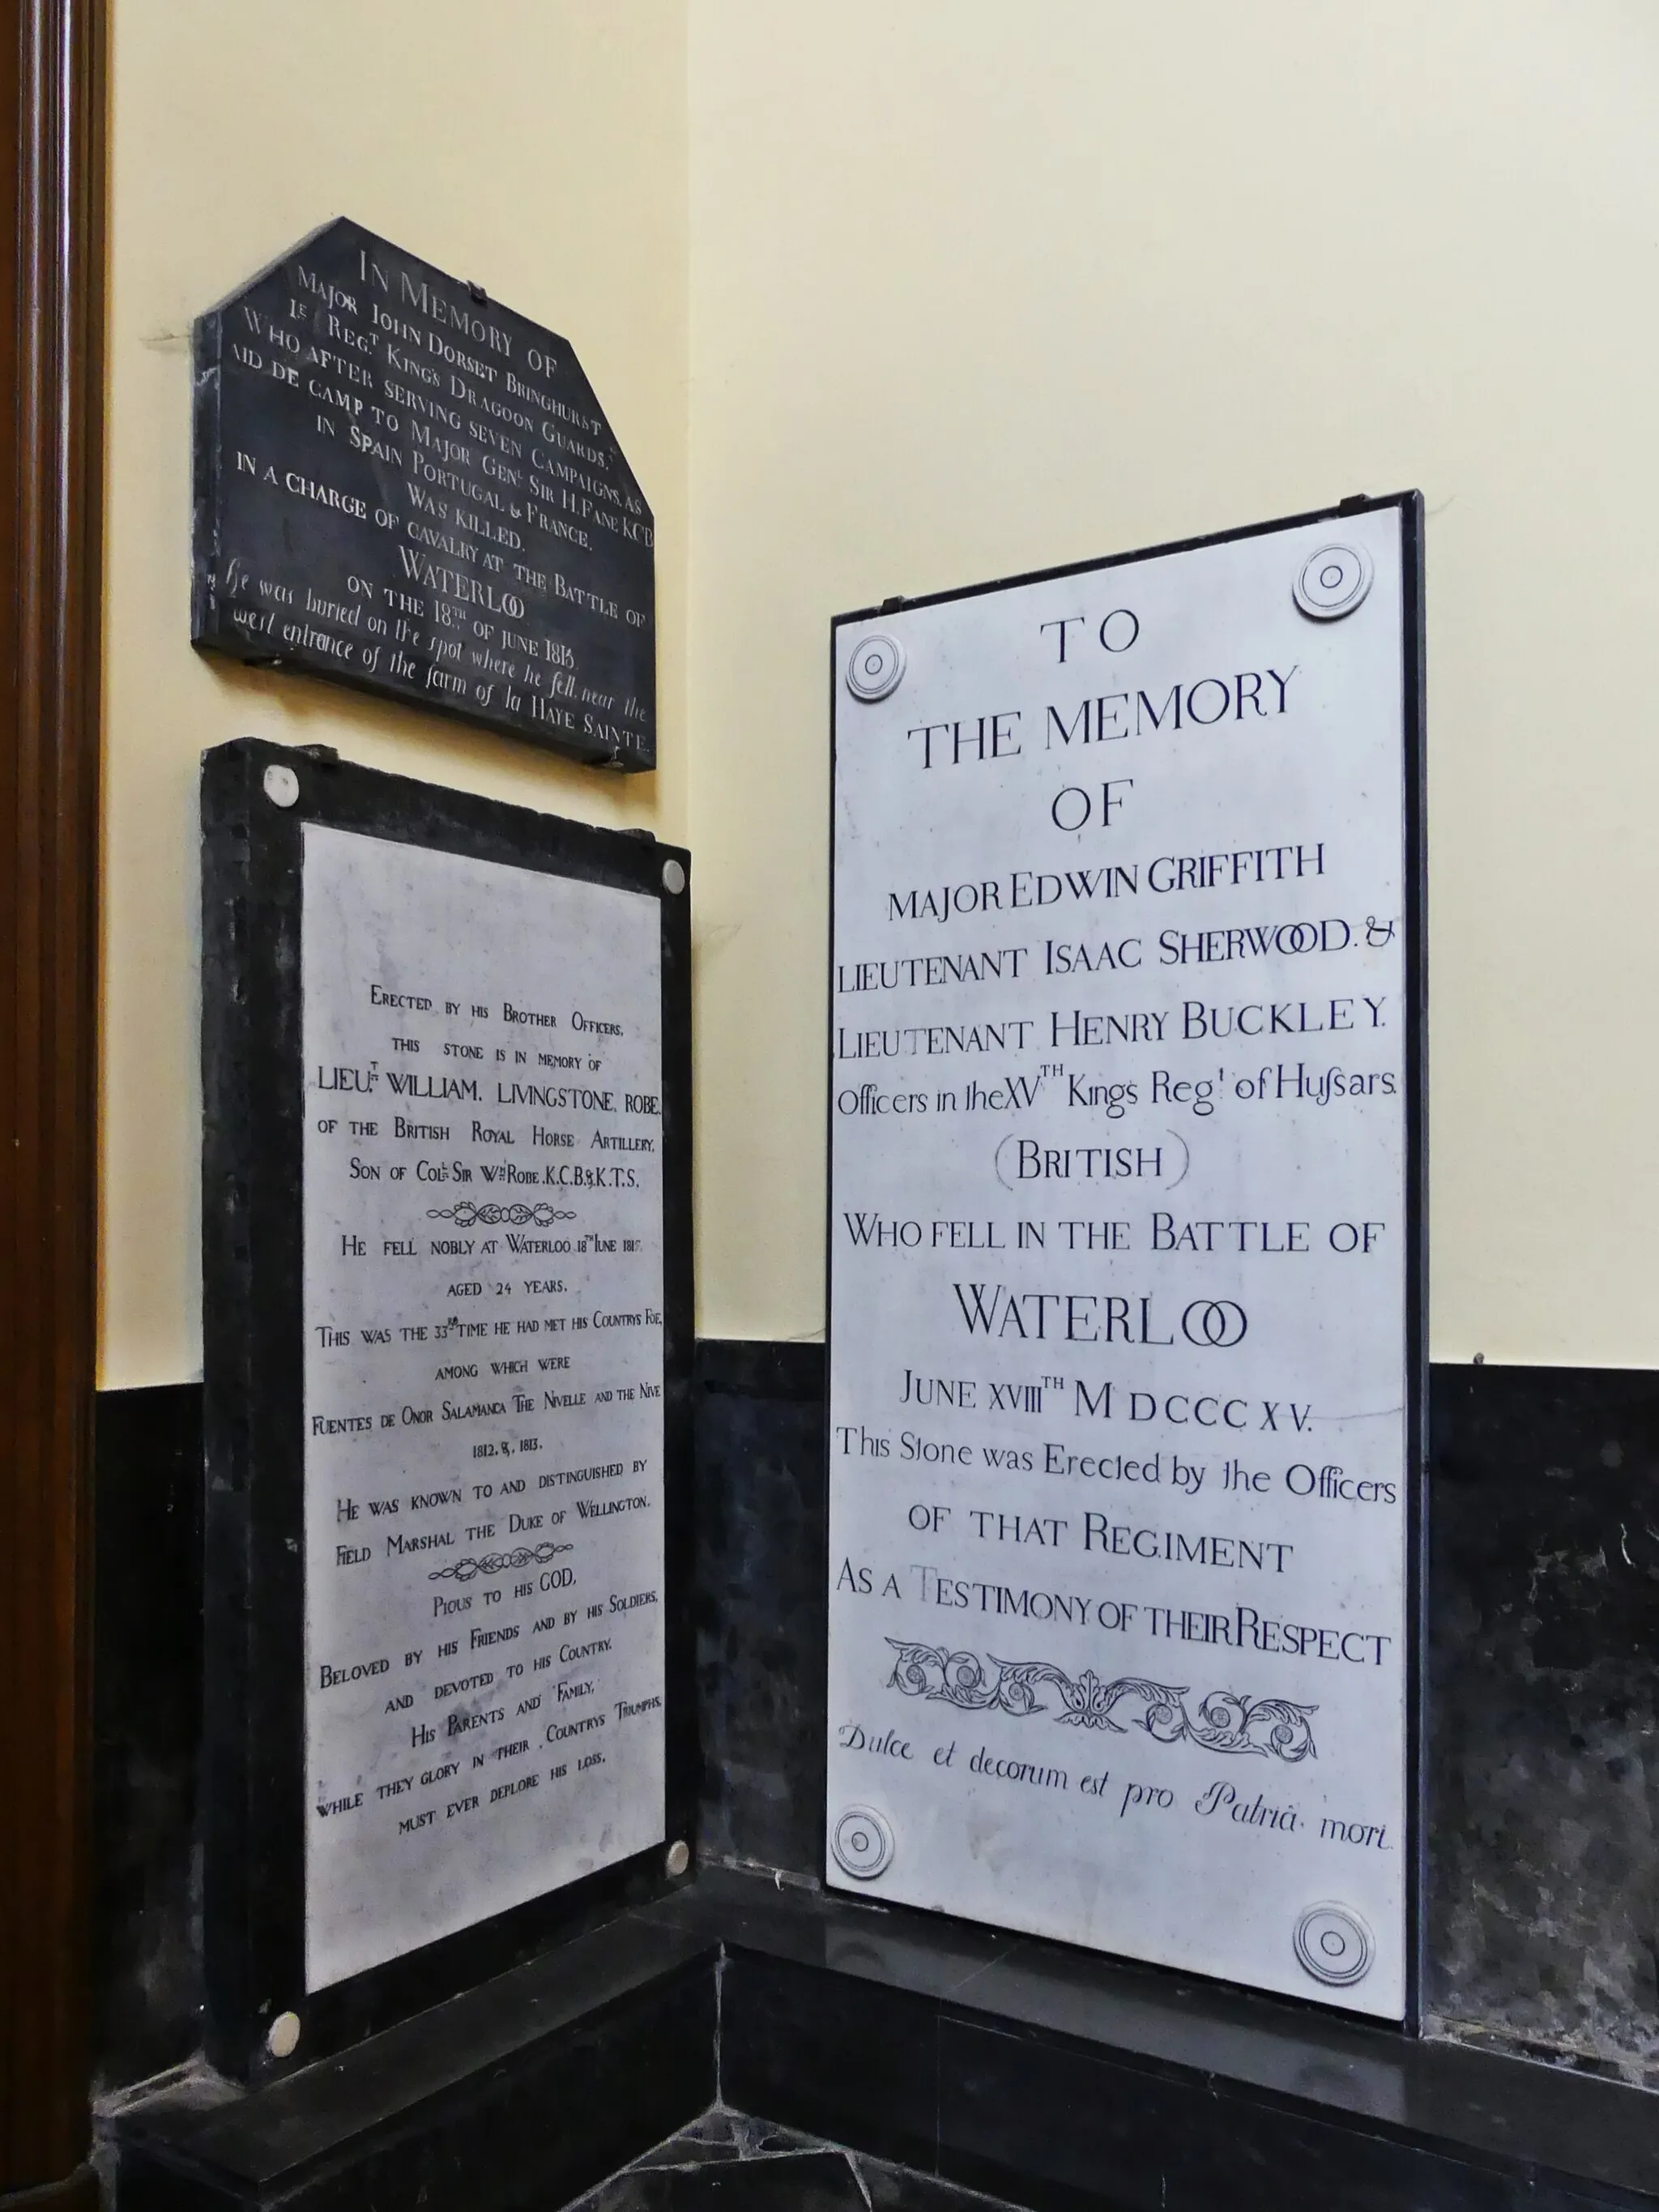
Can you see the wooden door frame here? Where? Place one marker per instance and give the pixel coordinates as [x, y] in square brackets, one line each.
[51, 483]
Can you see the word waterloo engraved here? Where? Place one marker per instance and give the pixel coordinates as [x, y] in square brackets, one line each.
[1126, 1264]
[404, 486]
[447, 1583]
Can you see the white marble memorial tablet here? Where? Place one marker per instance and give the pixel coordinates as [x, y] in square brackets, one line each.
[483, 1470]
[447, 1320]
[1125, 1302]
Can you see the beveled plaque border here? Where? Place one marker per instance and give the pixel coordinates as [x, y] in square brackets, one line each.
[253, 1796]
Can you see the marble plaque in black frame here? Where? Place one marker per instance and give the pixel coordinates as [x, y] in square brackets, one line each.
[1093, 824]
[404, 486]
[446, 1252]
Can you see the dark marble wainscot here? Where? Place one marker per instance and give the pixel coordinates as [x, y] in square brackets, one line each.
[1544, 1774]
[761, 1496]
[147, 1720]
[1543, 1840]
[1544, 1843]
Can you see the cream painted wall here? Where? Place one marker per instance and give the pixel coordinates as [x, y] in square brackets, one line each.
[978, 287]
[963, 288]
[535, 146]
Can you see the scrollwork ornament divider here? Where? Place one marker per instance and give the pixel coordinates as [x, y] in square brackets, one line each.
[1221, 1720]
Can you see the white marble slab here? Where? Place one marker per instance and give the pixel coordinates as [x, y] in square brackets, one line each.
[483, 1505]
[1118, 1608]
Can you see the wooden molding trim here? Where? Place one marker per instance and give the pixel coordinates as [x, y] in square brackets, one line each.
[51, 398]
[76, 2192]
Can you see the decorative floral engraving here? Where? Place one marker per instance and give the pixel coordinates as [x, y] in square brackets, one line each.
[465, 1212]
[497, 1563]
[1222, 1720]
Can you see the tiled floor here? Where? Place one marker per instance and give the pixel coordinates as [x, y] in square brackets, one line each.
[726, 2163]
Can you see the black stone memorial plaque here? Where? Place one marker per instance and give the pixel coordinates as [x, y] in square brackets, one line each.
[403, 486]
[449, 1686]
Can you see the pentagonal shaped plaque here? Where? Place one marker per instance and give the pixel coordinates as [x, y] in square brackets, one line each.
[404, 486]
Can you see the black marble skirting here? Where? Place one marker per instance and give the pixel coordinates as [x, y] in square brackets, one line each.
[943, 2057]
[524, 2091]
